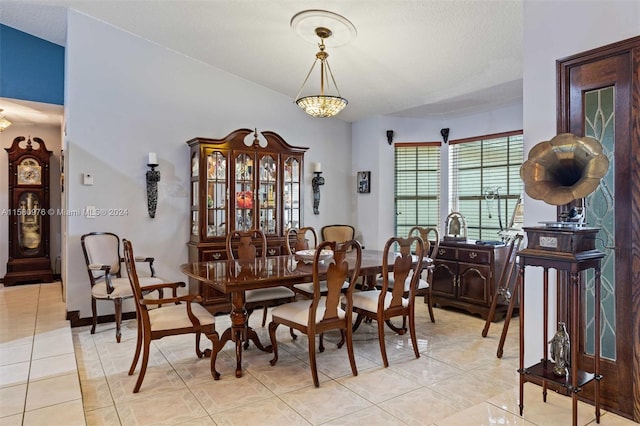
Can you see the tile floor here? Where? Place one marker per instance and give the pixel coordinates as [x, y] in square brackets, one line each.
[52, 375]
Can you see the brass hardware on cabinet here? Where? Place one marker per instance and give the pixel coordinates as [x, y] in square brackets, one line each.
[272, 252]
[473, 255]
[441, 252]
[216, 256]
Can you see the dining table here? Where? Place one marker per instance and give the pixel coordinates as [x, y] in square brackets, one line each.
[234, 277]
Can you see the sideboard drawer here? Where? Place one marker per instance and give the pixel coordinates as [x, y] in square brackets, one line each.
[474, 256]
[446, 253]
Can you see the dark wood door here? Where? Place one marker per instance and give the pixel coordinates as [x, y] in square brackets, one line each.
[599, 96]
[474, 284]
[444, 279]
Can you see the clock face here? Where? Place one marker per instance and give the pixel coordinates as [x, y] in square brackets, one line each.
[29, 172]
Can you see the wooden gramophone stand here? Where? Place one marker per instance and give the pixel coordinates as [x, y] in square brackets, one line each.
[572, 264]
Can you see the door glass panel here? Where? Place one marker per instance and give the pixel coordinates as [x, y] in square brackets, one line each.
[291, 188]
[244, 192]
[29, 223]
[268, 175]
[216, 194]
[600, 124]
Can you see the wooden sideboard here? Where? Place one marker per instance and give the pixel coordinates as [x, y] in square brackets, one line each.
[466, 276]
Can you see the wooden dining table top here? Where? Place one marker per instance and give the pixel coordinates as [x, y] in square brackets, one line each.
[230, 276]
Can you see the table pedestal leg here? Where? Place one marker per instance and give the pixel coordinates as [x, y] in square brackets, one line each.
[240, 331]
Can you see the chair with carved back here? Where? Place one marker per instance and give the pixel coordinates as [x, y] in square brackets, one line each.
[249, 245]
[104, 266]
[384, 303]
[431, 247]
[322, 313]
[305, 239]
[158, 318]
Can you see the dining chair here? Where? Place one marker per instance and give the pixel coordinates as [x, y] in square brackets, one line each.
[298, 239]
[382, 304]
[424, 283]
[338, 233]
[104, 266]
[173, 316]
[323, 313]
[249, 245]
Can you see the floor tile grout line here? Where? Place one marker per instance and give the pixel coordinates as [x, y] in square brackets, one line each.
[33, 345]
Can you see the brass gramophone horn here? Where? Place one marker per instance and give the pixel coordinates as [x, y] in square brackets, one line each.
[564, 169]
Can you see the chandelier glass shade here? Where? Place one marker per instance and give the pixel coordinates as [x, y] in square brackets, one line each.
[322, 105]
[4, 123]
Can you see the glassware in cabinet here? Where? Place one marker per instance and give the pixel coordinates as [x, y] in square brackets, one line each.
[244, 192]
[291, 189]
[268, 193]
[216, 194]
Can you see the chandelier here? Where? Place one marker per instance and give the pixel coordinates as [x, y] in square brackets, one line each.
[322, 105]
[4, 123]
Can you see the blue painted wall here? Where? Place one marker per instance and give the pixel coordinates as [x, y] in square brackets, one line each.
[31, 69]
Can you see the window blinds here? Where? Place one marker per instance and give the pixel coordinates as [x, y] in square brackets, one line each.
[417, 186]
[483, 170]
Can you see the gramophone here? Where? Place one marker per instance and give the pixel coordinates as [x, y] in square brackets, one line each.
[562, 172]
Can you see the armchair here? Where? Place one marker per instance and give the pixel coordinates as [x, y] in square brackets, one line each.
[180, 316]
[102, 257]
[338, 233]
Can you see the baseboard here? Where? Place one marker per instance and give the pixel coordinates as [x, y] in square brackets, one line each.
[74, 318]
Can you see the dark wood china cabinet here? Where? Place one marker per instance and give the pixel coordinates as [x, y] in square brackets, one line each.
[245, 180]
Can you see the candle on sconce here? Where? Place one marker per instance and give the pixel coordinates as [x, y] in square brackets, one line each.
[317, 168]
[153, 158]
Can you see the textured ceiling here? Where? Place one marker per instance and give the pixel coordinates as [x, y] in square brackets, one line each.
[412, 58]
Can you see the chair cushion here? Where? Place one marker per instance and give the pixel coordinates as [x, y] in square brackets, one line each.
[298, 312]
[121, 287]
[175, 316]
[368, 300]
[308, 287]
[264, 294]
[422, 284]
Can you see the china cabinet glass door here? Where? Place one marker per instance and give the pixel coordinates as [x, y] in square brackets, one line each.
[195, 195]
[216, 194]
[244, 192]
[267, 207]
[291, 188]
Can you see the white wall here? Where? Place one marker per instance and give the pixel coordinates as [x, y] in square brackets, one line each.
[126, 97]
[375, 212]
[51, 137]
[552, 31]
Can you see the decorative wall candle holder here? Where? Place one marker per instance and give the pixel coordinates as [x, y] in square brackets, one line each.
[153, 177]
[316, 182]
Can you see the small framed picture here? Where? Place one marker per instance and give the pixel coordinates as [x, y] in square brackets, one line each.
[364, 182]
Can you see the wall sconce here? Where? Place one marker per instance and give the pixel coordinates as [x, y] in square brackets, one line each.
[316, 182]
[445, 134]
[153, 177]
[390, 136]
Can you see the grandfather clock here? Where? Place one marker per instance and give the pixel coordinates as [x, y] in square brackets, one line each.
[28, 212]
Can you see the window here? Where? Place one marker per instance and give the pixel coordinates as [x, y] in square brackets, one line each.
[417, 186]
[485, 183]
